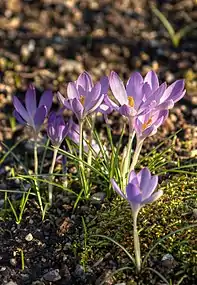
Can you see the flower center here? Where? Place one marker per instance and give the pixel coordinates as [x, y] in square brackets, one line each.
[146, 124]
[82, 100]
[131, 101]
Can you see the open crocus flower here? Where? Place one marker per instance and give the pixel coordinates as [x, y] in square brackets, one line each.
[83, 97]
[139, 190]
[32, 115]
[57, 129]
[146, 125]
[141, 95]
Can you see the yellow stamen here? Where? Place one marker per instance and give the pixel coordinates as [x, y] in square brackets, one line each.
[146, 124]
[82, 99]
[131, 101]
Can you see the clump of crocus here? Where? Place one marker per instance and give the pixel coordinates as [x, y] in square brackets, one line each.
[33, 115]
[139, 192]
[140, 95]
[57, 130]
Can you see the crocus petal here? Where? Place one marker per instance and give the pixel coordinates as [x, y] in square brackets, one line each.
[18, 117]
[77, 108]
[118, 88]
[147, 192]
[92, 97]
[65, 102]
[104, 85]
[150, 131]
[173, 91]
[85, 81]
[20, 109]
[134, 88]
[133, 193]
[152, 79]
[166, 105]
[46, 100]
[126, 111]
[72, 91]
[144, 177]
[132, 176]
[30, 101]
[117, 189]
[154, 197]
[40, 116]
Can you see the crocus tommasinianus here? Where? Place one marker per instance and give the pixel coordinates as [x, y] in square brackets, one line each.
[57, 129]
[32, 115]
[146, 125]
[83, 97]
[141, 95]
[139, 190]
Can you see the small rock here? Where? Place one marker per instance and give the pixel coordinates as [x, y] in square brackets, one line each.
[13, 261]
[29, 237]
[1, 203]
[79, 272]
[195, 213]
[168, 261]
[52, 275]
[98, 198]
[11, 283]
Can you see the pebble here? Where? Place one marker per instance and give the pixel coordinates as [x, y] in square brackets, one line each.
[13, 261]
[195, 213]
[1, 203]
[168, 261]
[98, 198]
[52, 276]
[11, 283]
[29, 237]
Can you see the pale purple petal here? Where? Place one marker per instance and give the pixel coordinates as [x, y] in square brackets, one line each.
[150, 188]
[152, 79]
[30, 101]
[46, 100]
[72, 91]
[40, 116]
[134, 88]
[92, 97]
[133, 193]
[77, 108]
[117, 189]
[154, 197]
[118, 88]
[20, 109]
[174, 91]
[84, 80]
[144, 177]
[150, 131]
[169, 104]
[104, 85]
[19, 118]
[132, 176]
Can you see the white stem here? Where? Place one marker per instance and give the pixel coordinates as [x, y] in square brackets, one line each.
[50, 187]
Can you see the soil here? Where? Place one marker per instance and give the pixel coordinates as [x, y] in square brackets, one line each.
[48, 43]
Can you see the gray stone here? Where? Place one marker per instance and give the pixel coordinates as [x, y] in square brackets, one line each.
[52, 275]
[98, 198]
[29, 237]
[13, 261]
[11, 283]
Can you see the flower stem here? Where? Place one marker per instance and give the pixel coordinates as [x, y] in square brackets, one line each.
[81, 165]
[136, 242]
[36, 172]
[136, 154]
[127, 159]
[50, 187]
[90, 142]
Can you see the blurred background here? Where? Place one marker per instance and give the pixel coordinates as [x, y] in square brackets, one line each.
[49, 42]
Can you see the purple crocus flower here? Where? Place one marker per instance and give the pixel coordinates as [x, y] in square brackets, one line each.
[83, 97]
[139, 190]
[57, 129]
[141, 95]
[32, 115]
[146, 125]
